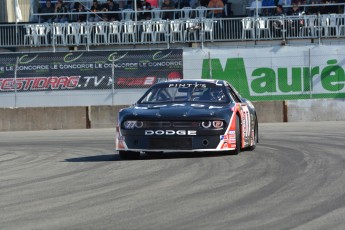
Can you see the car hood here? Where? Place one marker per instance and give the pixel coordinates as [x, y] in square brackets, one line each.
[184, 111]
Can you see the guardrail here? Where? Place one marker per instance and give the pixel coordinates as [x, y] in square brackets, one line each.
[198, 30]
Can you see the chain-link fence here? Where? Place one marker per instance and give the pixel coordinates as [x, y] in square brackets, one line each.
[121, 77]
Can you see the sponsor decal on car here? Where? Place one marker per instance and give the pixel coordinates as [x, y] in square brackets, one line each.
[228, 137]
[130, 124]
[170, 132]
[227, 145]
[187, 85]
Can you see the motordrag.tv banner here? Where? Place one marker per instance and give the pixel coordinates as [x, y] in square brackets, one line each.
[88, 70]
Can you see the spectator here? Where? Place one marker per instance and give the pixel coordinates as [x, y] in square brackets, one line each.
[277, 25]
[294, 11]
[215, 13]
[48, 8]
[295, 24]
[95, 8]
[82, 16]
[75, 6]
[341, 8]
[285, 3]
[184, 3]
[145, 6]
[60, 8]
[111, 7]
[279, 11]
[168, 5]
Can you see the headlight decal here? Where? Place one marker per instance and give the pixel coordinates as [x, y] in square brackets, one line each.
[212, 124]
[139, 124]
[218, 124]
[206, 124]
[129, 124]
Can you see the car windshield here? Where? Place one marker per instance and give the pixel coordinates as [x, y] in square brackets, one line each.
[185, 92]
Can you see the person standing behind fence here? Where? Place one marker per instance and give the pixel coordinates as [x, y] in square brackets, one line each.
[48, 8]
[295, 11]
[146, 7]
[215, 13]
[60, 8]
[95, 8]
[276, 25]
[168, 5]
[295, 24]
[111, 7]
[184, 3]
[82, 16]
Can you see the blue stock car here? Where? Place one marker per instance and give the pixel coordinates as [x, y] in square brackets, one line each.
[187, 116]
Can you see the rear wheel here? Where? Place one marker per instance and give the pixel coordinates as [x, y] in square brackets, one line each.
[238, 136]
[129, 155]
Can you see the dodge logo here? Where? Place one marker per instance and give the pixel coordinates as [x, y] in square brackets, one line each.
[170, 132]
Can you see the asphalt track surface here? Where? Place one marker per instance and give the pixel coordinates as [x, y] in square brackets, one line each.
[295, 179]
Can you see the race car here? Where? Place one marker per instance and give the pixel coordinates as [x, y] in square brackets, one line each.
[187, 116]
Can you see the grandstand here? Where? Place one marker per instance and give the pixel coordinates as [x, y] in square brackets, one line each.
[20, 28]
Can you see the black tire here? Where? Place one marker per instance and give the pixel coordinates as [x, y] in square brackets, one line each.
[256, 136]
[238, 136]
[129, 155]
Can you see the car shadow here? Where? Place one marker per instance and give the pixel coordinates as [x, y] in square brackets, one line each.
[97, 158]
[158, 156]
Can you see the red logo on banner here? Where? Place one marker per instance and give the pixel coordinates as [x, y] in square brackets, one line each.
[174, 75]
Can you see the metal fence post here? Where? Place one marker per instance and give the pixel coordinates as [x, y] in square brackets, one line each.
[113, 80]
[209, 63]
[15, 83]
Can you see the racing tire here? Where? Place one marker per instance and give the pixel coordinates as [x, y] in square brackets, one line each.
[129, 155]
[238, 137]
[256, 137]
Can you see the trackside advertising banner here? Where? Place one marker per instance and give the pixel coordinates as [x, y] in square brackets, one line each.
[274, 73]
[88, 70]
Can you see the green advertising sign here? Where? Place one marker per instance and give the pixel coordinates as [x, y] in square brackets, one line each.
[280, 83]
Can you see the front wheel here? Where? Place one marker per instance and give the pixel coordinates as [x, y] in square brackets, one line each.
[129, 155]
[238, 136]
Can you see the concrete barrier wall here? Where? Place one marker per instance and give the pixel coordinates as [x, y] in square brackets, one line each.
[51, 118]
[316, 110]
[270, 111]
[104, 116]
